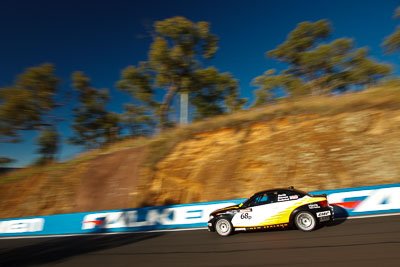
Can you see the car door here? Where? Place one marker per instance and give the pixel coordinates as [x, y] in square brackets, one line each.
[259, 211]
[286, 202]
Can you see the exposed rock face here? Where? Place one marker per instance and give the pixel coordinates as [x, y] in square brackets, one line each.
[308, 152]
[110, 181]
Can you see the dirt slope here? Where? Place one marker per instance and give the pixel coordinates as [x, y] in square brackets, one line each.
[110, 181]
[101, 183]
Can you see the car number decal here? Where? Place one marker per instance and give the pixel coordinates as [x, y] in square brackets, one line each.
[245, 216]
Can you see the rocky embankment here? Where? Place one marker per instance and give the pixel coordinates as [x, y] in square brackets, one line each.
[309, 152]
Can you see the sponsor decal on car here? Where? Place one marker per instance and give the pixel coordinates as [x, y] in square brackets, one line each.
[283, 197]
[323, 213]
[313, 206]
[281, 225]
[244, 210]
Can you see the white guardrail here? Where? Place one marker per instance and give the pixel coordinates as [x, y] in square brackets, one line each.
[347, 202]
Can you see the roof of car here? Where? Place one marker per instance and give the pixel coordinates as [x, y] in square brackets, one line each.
[291, 188]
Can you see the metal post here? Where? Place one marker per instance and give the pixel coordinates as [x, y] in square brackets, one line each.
[184, 108]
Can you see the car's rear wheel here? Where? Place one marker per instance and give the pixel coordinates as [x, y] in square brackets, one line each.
[223, 227]
[305, 221]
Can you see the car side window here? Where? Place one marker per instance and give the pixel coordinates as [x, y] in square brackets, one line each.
[262, 199]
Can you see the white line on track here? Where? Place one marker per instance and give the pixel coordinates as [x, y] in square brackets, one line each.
[174, 230]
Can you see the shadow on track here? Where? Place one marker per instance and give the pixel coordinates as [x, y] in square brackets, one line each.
[56, 250]
[340, 216]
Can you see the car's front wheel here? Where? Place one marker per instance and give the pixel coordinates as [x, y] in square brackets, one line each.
[223, 227]
[305, 221]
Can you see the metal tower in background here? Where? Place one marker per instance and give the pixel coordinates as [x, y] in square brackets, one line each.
[184, 112]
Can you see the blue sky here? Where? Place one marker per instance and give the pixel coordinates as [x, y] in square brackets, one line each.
[103, 37]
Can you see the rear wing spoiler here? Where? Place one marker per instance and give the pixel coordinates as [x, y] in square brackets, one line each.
[321, 195]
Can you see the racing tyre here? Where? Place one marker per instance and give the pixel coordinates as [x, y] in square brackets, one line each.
[305, 221]
[223, 227]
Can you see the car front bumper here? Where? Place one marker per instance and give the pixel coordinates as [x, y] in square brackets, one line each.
[210, 225]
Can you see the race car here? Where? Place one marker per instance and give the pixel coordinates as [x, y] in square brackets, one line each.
[271, 209]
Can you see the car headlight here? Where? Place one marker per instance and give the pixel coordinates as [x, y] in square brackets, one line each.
[211, 217]
[231, 211]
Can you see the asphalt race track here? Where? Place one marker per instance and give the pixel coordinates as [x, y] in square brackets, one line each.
[355, 242]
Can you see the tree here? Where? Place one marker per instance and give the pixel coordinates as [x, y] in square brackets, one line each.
[179, 49]
[174, 55]
[93, 124]
[48, 142]
[269, 82]
[137, 120]
[28, 104]
[138, 83]
[318, 68]
[4, 161]
[392, 42]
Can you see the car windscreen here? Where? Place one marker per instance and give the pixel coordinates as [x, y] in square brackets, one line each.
[245, 203]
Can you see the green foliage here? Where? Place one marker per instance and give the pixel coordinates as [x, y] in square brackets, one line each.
[48, 142]
[391, 43]
[301, 39]
[318, 68]
[214, 92]
[269, 81]
[27, 104]
[137, 81]
[137, 120]
[93, 124]
[4, 161]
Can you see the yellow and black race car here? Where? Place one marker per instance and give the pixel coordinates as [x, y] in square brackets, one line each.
[271, 209]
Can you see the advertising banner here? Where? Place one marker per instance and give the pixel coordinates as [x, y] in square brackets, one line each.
[346, 202]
